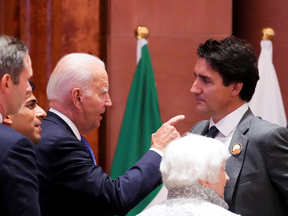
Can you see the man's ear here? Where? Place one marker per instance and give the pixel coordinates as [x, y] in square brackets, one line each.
[77, 97]
[7, 121]
[236, 88]
[6, 82]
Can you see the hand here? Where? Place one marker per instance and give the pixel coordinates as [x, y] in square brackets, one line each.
[166, 133]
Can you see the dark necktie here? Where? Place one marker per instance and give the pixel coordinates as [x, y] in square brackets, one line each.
[212, 132]
[88, 148]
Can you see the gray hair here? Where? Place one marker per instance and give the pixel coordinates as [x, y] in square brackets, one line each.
[72, 71]
[192, 158]
[12, 52]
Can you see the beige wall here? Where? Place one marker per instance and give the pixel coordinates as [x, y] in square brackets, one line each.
[176, 29]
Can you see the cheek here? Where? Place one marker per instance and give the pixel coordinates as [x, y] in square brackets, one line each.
[28, 117]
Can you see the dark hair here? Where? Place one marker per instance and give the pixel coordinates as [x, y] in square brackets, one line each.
[32, 85]
[234, 60]
[12, 52]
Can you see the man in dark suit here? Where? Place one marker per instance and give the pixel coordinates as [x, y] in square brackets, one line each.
[70, 181]
[18, 172]
[226, 75]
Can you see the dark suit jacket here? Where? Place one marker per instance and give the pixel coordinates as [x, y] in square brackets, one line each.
[259, 174]
[70, 183]
[18, 174]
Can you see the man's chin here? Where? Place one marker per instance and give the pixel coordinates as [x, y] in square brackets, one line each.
[36, 140]
[201, 109]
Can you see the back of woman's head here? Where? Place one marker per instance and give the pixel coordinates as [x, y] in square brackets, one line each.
[192, 158]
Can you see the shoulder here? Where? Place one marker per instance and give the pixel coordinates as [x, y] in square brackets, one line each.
[11, 138]
[198, 127]
[261, 127]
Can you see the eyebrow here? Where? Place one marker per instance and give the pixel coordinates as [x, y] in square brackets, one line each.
[202, 76]
[33, 101]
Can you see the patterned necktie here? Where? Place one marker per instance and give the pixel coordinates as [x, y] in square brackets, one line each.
[213, 131]
[88, 148]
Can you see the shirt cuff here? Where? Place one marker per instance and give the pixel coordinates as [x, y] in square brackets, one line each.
[157, 151]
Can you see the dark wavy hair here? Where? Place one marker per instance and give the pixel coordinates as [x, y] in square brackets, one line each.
[234, 60]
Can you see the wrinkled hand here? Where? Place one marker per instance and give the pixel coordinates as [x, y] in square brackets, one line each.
[166, 133]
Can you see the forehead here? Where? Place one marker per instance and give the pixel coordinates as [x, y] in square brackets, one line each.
[29, 97]
[203, 65]
[27, 65]
[100, 76]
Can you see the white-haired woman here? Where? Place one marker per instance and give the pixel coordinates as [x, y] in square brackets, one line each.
[193, 170]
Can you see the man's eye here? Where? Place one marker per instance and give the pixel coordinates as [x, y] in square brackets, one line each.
[31, 106]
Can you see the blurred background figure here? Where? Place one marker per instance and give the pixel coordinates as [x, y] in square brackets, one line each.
[193, 170]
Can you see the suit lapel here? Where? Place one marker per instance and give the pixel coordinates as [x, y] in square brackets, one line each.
[235, 162]
[200, 128]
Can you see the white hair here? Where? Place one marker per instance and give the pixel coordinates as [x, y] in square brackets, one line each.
[192, 158]
[72, 71]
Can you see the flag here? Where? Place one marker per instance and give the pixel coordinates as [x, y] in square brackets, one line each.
[267, 100]
[141, 119]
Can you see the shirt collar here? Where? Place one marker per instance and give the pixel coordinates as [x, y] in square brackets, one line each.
[68, 121]
[1, 118]
[227, 124]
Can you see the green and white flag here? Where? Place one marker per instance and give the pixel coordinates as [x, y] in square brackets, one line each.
[141, 119]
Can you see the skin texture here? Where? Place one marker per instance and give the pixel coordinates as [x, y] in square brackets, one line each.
[95, 101]
[28, 119]
[213, 98]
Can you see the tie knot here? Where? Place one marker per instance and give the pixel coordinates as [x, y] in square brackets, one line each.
[212, 132]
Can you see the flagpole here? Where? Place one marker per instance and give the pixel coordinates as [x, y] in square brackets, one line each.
[267, 100]
[268, 34]
[142, 34]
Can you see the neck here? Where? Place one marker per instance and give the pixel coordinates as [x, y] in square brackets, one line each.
[218, 116]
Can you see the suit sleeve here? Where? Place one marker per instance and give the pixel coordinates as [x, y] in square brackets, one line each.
[277, 158]
[116, 196]
[19, 182]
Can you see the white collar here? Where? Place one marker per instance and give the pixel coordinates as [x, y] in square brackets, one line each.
[68, 121]
[227, 124]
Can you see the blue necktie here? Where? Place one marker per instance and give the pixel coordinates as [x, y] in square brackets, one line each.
[88, 148]
[213, 131]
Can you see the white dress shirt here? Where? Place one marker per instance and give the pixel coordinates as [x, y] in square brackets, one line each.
[228, 124]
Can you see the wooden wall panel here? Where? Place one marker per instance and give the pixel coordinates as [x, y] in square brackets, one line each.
[52, 29]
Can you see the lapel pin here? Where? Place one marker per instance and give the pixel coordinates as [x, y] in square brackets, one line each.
[236, 149]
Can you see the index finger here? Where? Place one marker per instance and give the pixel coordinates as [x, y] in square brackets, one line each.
[175, 120]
